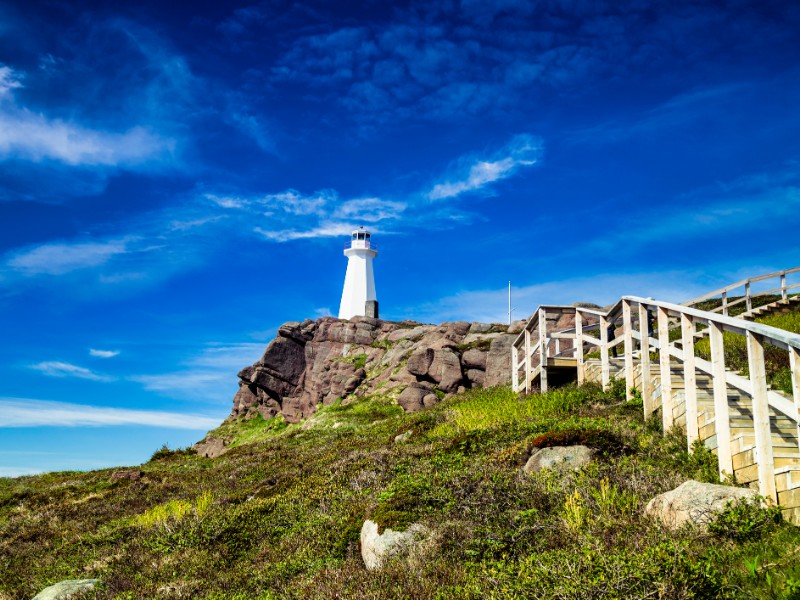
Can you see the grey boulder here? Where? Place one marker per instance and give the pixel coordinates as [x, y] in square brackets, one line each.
[694, 502]
[570, 457]
[65, 589]
[377, 548]
[211, 447]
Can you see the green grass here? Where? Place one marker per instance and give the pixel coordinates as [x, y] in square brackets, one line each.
[359, 361]
[776, 359]
[279, 516]
[248, 431]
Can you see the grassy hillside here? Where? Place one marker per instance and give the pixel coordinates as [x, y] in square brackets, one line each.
[279, 516]
[779, 373]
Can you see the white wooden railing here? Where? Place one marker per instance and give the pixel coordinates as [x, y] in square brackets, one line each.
[633, 314]
[741, 291]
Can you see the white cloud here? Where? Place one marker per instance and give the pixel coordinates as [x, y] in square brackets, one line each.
[227, 201]
[103, 353]
[18, 471]
[184, 382]
[294, 203]
[370, 210]
[322, 312]
[24, 134]
[522, 151]
[324, 230]
[210, 374]
[24, 412]
[54, 368]
[61, 258]
[491, 306]
[8, 81]
[34, 136]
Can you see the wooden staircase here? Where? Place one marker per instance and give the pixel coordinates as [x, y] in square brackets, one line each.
[752, 429]
[783, 429]
[790, 304]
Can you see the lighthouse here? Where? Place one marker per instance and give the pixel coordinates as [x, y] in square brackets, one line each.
[358, 296]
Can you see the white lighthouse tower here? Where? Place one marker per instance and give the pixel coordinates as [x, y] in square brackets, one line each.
[358, 296]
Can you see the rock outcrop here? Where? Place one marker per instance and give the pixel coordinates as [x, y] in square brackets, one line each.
[315, 363]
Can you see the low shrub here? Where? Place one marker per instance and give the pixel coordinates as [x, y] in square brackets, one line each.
[745, 520]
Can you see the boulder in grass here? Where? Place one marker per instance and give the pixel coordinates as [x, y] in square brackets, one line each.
[65, 589]
[377, 548]
[565, 457]
[211, 447]
[695, 503]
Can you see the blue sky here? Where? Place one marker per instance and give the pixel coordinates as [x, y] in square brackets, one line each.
[177, 179]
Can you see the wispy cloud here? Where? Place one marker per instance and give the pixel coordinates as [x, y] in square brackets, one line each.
[150, 247]
[33, 136]
[321, 231]
[24, 412]
[476, 174]
[60, 258]
[103, 353]
[491, 305]
[9, 80]
[745, 204]
[54, 368]
[371, 210]
[326, 214]
[210, 374]
[18, 471]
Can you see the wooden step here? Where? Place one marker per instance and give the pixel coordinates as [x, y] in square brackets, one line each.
[787, 478]
[748, 471]
[789, 500]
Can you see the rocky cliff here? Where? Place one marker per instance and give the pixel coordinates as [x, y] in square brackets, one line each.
[315, 363]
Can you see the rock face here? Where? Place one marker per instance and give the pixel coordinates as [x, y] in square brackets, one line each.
[65, 589]
[694, 502]
[315, 363]
[377, 548]
[568, 457]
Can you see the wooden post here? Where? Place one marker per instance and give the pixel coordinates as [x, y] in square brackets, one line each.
[528, 366]
[722, 419]
[689, 379]
[579, 346]
[667, 418]
[627, 332]
[784, 295]
[764, 456]
[605, 377]
[514, 369]
[725, 303]
[647, 382]
[543, 350]
[794, 365]
[747, 295]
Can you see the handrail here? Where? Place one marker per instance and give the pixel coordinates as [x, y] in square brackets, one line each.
[647, 322]
[747, 296]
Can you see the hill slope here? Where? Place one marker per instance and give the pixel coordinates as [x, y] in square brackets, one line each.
[279, 516]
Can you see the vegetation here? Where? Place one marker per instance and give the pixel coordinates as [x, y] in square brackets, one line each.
[480, 344]
[279, 515]
[776, 359]
[359, 361]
